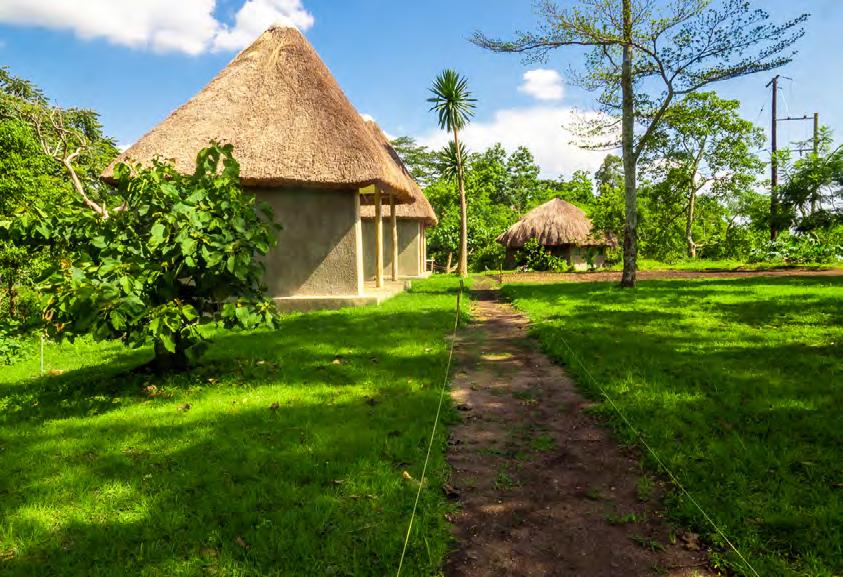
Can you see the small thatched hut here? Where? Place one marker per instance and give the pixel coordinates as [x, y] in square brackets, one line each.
[563, 229]
[411, 222]
[304, 149]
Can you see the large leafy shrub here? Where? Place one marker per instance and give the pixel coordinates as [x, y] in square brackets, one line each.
[179, 252]
[799, 249]
[536, 257]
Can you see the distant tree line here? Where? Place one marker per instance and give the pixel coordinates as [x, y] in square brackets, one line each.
[701, 193]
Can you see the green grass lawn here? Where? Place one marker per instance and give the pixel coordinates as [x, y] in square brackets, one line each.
[282, 454]
[737, 385]
[703, 264]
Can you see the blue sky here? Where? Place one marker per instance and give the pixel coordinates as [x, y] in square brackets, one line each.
[135, 65]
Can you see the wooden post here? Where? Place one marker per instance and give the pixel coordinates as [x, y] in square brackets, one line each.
[422, 247]
[378, 240]
[774, 161]
[394, 222]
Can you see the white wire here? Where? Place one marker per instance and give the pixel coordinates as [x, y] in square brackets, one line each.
[433, 432]
[657, 458]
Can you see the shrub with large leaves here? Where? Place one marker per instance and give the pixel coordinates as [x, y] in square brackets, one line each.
[178, 252]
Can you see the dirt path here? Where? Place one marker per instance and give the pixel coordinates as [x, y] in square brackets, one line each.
[551, 277]
[542, 488]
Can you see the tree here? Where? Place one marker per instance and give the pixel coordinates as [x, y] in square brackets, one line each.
[523, 181]
[31, 177]
[180, 255]
[644, 55]
[703, 145]
[607, 210]
[814, 185]
[454, 106]
[418, 159]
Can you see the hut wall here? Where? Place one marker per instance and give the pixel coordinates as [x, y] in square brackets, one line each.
[409, 247]
[318, 246]
[579, 256]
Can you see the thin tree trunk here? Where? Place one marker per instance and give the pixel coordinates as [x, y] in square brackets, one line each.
[689, 223]
[448, 263]
[692, 199]
[167, 362]
[13, 307]
[463, 265]
[630, 236]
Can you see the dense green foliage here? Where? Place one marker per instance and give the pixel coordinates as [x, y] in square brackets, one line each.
[537, 258]
[281, 454]
[735, 384]
[500, 187]
[30, 179]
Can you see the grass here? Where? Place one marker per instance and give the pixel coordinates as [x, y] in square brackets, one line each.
[282, 454]
[737, 386]
[722, 265]
[701, 264]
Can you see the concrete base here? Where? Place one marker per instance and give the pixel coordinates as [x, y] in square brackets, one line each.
[371, 296]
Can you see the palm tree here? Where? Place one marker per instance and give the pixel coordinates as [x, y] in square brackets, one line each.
[454, 105]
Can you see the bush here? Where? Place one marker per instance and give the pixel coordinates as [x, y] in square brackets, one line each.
[10, 348]
[798, 249]
[489, 257]
[180, 254]
[536, 257]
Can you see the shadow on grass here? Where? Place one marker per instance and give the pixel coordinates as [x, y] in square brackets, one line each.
[282, 454]
[247, 491]
[735, 384]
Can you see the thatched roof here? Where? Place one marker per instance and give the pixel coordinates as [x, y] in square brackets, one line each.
[554, 223]
[420, 209]
[288, 119]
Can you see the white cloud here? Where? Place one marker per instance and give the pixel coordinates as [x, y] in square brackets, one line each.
[256, 15]
[370, 118]
[539, 128]
[187, 26]
[543, 84]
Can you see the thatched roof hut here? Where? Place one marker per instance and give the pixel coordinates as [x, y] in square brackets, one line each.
[290, 123]
[420, 209]
[555, 223]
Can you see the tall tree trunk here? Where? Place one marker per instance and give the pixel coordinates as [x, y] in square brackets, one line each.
[630, 232]
[689, 223]
[463, 266]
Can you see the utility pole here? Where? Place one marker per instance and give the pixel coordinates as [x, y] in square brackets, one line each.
[815, 148]
[814, 199]
[774, 163]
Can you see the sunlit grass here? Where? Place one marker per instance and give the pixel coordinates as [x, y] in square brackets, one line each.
[726, 264]
[737, 385]
[282, 454]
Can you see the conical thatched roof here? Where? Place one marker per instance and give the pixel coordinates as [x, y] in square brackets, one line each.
[554, 223]
[420, 209]
[288, 119]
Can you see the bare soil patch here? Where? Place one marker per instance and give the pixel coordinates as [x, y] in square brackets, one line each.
[552, 277]
[543, 489]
